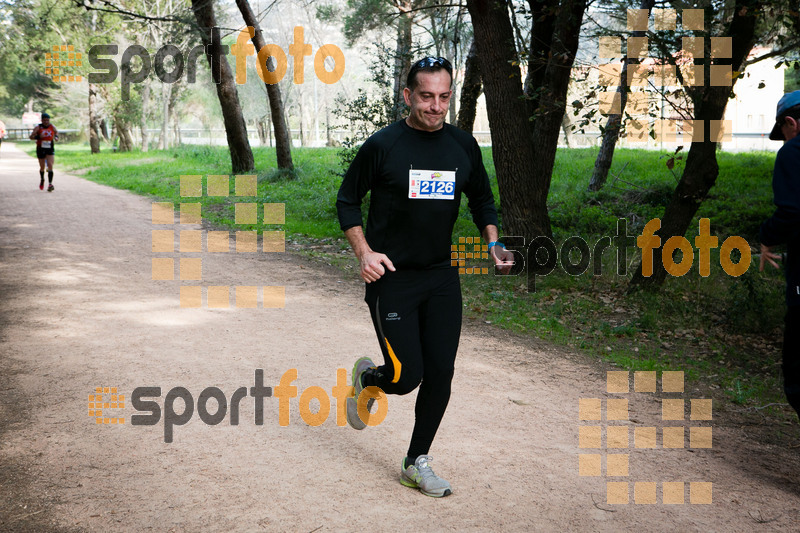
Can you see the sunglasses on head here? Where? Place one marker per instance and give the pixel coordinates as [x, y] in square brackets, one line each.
[430, 62]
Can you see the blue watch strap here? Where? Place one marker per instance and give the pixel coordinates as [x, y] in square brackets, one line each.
[496, 243]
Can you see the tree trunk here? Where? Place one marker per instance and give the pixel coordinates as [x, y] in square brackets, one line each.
[104, 129]
[261, 125]
[173, 113]
[524, 150]
[235, 127]
[611, 132]
[328, 137]
[123, 131]
[163, 141]
[283, 141]
[270, 130]
[701, 169]
[94, 134]
[402, 60]
[470, 90]
[143, 120]
[302, 116]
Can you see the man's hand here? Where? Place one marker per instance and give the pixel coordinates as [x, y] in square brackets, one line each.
[503, 259]
[372, 263]
[372, 266]
[768, 255]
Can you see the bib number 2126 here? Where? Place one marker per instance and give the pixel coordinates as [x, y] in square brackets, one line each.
[431, 184]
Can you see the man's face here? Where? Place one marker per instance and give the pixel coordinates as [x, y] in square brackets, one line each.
[790, 128]
[429, 101]
[45, 121]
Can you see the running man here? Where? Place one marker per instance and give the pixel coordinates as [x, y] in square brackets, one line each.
[45, 135]
[2, 132]
[784, 227]
[416, 170]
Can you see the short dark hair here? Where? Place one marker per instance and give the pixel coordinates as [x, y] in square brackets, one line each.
[793, 112]
[45, 115]
[427, 64]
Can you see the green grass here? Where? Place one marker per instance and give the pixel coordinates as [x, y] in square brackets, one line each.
[723, 332]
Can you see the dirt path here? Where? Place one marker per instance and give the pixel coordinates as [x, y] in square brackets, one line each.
[79, 310]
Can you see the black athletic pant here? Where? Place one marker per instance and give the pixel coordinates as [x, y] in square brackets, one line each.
[791, 357]
[417, 317]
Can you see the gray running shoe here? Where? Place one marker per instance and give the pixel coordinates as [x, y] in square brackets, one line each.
[352, 403]
[420, 476]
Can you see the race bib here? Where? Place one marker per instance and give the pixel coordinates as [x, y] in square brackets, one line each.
[431, 184]
[46, 144]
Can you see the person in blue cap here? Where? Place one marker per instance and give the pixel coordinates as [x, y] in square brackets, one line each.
[783, 227]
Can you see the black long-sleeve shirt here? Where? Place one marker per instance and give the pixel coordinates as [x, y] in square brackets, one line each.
[784, 225]
[412, 228]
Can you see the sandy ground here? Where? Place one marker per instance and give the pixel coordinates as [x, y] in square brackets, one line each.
[79, 310]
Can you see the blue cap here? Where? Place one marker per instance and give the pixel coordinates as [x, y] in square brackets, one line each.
[788, 101]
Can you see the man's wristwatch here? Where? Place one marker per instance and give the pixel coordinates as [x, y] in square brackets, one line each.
[496, 243]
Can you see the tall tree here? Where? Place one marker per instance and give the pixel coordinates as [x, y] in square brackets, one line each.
[235, 126]
[745, 22]
[471, 89]
[398, 16]
[602, 163]
[525, 122]
[283, 140]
